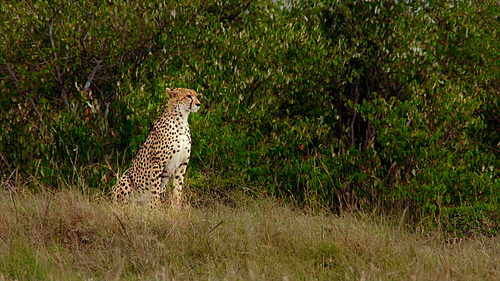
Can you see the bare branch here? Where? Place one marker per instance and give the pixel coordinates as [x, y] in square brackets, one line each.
[91, 76]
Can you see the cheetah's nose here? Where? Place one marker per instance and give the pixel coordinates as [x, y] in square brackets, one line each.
[195, 107]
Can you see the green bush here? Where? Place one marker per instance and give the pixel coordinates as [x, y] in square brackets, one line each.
[332, 104]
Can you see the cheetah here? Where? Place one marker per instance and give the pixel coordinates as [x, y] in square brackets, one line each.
[164, 154]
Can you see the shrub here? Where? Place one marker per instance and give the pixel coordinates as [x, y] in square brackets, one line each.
[332, 104]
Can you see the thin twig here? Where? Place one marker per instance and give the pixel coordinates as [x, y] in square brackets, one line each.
[4, 159]
[121, 223]
[215, 227]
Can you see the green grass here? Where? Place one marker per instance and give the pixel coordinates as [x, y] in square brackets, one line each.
[69, 236]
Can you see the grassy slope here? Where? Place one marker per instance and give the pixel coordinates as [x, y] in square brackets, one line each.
[70, 236]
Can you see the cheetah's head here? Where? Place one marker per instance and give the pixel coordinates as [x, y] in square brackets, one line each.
[186, 98]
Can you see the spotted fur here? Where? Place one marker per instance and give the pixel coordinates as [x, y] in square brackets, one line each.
[164, 154]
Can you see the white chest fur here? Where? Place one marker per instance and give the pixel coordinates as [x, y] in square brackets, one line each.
[179, 154]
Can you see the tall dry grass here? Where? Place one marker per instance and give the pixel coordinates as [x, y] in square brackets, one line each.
[68, 236]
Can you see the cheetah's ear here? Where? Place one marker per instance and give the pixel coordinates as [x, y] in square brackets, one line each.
[171, 93]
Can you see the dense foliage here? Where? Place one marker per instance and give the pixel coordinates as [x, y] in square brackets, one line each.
[374, 104]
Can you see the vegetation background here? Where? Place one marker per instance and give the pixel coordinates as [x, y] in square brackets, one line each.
[385, 106]
[389, 107]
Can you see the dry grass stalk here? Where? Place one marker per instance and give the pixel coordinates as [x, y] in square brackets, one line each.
[68, 236]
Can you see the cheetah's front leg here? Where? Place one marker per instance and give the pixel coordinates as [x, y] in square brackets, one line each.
[178, 184]
[162, 191]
